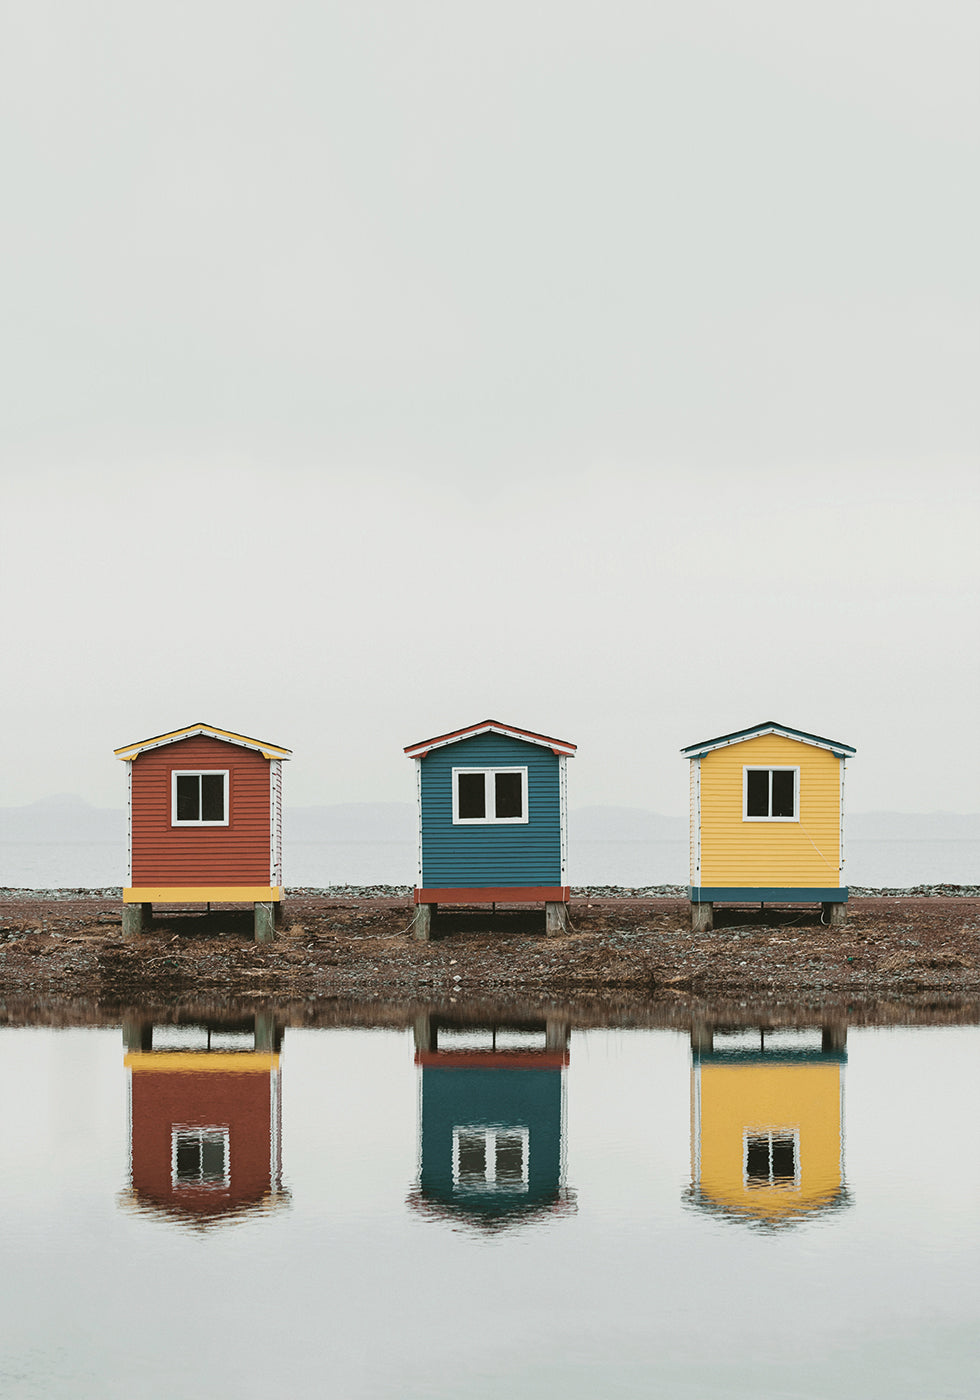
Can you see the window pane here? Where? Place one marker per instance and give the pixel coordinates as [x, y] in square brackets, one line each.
[472, 1158]
[188, 1157]
[509, 794]
[188, 798]
[757, 792]
[510, 1159]
[213, 1159]
[783, 1159]
[757, 1158]
[212, 797]
[782, 794]
[472, 794]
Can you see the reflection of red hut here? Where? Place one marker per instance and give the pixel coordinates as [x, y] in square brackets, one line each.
[205, 818]
[491, 1121]
[204, 1124]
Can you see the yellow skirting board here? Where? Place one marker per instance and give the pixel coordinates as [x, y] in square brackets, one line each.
[203, 894]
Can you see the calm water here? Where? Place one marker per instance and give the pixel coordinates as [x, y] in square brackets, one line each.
[633, 863]
[499, 1210]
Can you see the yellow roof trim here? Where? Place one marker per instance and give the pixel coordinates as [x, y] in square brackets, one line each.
[267, 750]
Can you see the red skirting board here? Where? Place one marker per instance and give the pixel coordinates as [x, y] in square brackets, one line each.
[507, 894]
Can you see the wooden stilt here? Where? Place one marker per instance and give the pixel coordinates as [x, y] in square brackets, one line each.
[425, 916]
[555, 918]
[265, 924]
[702, 917]
[132, 920]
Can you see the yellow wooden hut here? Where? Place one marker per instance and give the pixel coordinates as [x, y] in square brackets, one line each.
[767, 820]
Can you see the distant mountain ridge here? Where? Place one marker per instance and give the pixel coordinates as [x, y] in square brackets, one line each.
[65, 817]
[624, 824]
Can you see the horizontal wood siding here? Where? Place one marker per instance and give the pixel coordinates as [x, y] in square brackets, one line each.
[475, 856]
[236, 854]
[803, 854]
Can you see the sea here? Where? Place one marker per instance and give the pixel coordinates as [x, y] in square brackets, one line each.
[487, 1206]
[896, 864]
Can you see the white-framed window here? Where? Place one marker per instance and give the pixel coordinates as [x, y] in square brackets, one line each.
[199, 797]
[485, 795]
[490, 1159]
[200, 1157]
[771, 1157]
[770, 794]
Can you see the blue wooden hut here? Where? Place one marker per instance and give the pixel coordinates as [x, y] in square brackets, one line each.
[492, 820]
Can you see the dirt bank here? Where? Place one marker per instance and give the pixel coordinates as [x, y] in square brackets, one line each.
[632, 951]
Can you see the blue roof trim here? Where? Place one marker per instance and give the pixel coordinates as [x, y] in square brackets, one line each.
[767, 727]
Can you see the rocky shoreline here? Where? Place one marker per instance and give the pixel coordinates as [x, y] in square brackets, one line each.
[579, 892]
[634, 950]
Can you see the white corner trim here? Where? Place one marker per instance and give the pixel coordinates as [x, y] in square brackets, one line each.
[563, 817]
[129, 822]
[275, 822]
[697, 799]
[418, 822]
[275, 1130]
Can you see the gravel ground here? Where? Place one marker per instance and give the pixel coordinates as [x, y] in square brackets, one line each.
[634, 951]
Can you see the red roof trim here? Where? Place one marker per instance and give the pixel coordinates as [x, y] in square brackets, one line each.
[419, 750]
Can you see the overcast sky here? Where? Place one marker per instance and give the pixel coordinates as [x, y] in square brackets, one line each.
[373, 368]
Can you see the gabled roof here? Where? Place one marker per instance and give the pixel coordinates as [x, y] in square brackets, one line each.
[131, 751]
[769, 726]
[492, 726]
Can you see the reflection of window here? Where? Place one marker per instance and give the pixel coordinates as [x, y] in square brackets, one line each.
[199, 799]
[490, 1159]
[200, 1157]
[770, 794]
[772, 1158]
[489, 795]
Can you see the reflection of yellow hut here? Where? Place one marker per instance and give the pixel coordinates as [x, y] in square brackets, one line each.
[767, 1124]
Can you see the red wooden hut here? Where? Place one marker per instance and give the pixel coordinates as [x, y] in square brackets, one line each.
[205, 823]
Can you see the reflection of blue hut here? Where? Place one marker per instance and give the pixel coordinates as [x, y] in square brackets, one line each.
[491, 1121]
